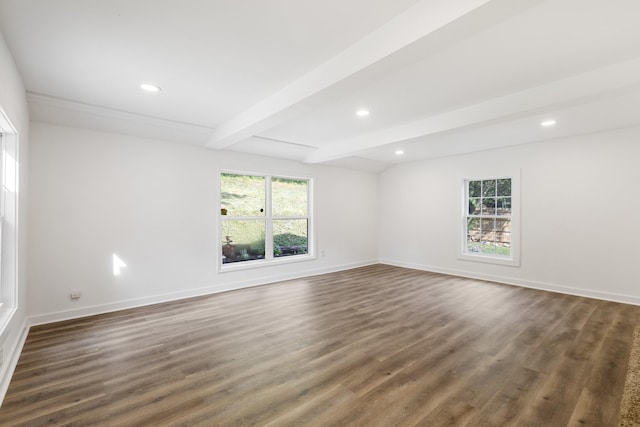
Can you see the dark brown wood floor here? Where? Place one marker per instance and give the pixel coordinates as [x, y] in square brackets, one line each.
[375, 346]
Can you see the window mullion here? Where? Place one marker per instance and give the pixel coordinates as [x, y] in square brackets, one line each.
[268, 238]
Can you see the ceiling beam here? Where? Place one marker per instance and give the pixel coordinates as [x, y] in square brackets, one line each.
[424, 28]
[600, 84]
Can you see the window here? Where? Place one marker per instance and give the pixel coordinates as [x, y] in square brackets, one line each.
[490, 226]
[264, 218]
[8, 220]
[3, 195]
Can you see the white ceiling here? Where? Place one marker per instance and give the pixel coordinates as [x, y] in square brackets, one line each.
[284, 78]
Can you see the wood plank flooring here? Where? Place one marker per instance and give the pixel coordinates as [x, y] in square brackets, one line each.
[374, 346]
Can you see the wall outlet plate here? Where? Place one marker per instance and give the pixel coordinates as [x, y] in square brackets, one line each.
[75, 295]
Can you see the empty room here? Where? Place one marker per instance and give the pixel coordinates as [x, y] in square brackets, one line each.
[304, 213]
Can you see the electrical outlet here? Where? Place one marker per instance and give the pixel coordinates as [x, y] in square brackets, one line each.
[75, 295]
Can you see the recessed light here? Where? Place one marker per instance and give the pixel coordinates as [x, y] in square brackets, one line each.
[399, 152]
[362, 113]
[548, 123]
[149, 87]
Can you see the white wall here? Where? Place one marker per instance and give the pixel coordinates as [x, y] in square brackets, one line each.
[155, 204]
[580, 218]
[13, 102]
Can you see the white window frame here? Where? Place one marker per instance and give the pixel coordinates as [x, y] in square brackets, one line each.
[9, 187]
[269, 259]
[514, 258]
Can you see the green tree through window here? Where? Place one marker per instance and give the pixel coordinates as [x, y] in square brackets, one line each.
[488, 217]
[263, 217]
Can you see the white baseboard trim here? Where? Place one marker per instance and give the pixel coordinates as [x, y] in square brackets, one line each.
[11, 357]
[156, 299]
[607, 296]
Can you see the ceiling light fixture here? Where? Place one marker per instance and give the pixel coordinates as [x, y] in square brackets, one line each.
[399, 152]
[362, 113]
[149, 87]
[548, 123]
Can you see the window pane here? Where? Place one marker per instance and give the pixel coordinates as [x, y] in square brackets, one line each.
[503, 238]
[243, 240]
[242, 195]
[290, 237]
[489, 188]
[473, 245]
[473, 225]
[488, 240]
[289, 197]
[474, 206]
[503, 206]
[489, 206]
[503, 225]
[473, 230]
[497, 248]
[487, 228]
[489, 248]
[475, 188]
[504, 187]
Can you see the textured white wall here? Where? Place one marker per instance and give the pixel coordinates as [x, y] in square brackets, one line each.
[579, 214]
[13, 102]
[155, 205]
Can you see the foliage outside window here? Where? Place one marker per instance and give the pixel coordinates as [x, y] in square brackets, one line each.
[263, 217]
[488, 219]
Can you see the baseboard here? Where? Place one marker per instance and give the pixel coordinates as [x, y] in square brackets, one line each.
[123, 305]
[11, 357]
[607, 296]
[156, 299]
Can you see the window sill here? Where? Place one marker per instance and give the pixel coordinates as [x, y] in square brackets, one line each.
[487, 259]
[260, 263]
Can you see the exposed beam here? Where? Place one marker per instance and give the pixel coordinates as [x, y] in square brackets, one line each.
[592, 86]
[426, 27]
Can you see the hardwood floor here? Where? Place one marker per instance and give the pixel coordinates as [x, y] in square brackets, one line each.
[374, 346]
